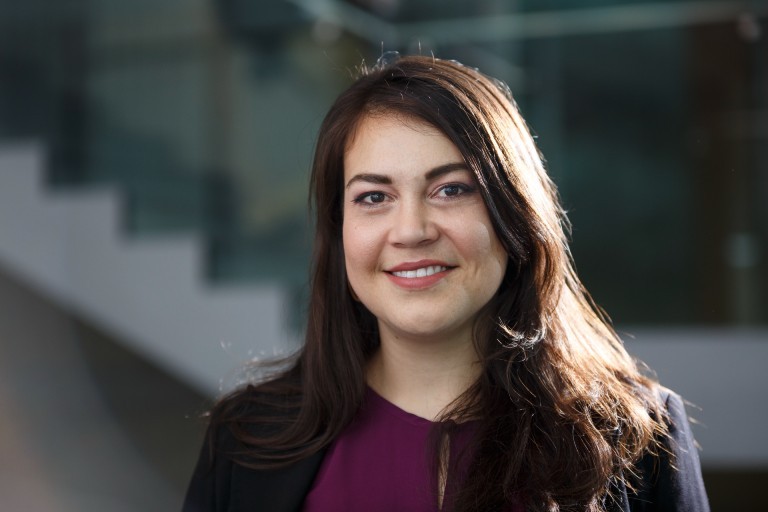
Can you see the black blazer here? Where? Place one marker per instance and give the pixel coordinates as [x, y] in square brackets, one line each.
[219, 485]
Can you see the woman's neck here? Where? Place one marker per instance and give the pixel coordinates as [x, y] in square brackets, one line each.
[422, 377]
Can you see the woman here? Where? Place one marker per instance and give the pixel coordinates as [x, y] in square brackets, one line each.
[453, 360]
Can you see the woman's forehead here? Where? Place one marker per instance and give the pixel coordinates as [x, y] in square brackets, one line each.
[395, 144]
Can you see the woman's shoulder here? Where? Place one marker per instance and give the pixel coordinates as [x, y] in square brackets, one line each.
[252, 404]
[229, 473]
[678, 443]
[668, 407]
[249, 417]
[670, 473]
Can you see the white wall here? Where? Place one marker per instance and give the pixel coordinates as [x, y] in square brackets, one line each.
[722, 372]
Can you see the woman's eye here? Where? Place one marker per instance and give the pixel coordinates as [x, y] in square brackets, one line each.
[453, 190]
[371, 198]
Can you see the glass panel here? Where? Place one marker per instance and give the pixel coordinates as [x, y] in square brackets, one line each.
[652, 117]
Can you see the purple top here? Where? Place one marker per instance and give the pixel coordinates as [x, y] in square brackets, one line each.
[381, 462]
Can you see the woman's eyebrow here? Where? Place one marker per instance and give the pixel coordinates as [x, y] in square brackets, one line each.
[378, 179]
[382, 179]
[445, 169]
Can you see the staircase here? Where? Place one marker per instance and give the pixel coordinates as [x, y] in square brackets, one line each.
[151, 291]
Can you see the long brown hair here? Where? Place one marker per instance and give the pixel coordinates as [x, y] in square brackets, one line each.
[563, 409]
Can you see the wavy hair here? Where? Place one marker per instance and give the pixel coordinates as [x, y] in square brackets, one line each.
[563, 410]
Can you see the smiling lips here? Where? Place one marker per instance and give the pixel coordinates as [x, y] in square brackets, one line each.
[418, 274]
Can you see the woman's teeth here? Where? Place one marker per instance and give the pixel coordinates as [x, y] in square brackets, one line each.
[420, 272]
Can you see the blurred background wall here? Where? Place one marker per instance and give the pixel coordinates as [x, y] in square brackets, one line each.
[154, 235]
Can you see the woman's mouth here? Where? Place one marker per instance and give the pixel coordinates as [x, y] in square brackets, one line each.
[420, 272]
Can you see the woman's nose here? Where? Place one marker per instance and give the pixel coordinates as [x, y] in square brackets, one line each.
[413, 225]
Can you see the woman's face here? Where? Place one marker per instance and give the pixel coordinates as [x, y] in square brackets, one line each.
[420, 251]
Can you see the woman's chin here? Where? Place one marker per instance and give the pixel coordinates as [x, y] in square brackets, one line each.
[426, 331]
